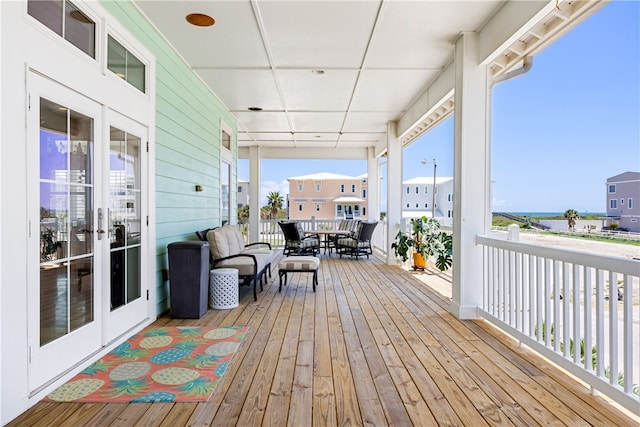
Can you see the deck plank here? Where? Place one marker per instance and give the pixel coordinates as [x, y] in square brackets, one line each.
[374, 345]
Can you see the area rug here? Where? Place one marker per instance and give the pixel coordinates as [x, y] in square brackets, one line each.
[159, 364]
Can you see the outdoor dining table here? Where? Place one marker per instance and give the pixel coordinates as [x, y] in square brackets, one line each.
[326, 236]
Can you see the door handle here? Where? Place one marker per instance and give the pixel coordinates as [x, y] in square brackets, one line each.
[100, 229]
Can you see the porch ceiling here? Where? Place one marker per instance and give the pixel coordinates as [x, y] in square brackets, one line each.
[377, 58]
[330, 75]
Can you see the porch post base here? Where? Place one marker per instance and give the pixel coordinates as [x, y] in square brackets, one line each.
[464, 312]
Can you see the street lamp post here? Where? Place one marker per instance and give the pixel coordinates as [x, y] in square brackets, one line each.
[433, 194]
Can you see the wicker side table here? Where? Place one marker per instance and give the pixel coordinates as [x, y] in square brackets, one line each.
[223, 288]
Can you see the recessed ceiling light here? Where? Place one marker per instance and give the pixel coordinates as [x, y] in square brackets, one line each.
[200, 20]
[317, 72]
[255, 109]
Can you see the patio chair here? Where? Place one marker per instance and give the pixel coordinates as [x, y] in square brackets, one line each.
[295, 240]
[359, 243]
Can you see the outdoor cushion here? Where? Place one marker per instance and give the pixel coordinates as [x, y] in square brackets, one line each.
[219, 243]
[245, 265]
[299, 263]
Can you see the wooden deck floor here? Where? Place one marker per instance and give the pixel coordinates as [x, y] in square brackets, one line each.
[373, 346]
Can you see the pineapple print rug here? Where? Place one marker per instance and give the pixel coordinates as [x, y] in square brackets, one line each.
[159, 364]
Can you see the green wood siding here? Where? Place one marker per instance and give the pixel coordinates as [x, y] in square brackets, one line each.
[187, 146]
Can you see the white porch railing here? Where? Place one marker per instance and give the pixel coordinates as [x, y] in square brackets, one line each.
[575, 308]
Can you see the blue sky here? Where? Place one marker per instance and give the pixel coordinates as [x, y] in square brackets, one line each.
[557, 133]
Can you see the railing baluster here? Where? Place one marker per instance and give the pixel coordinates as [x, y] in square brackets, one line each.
[556, 306]
[588, 330]
[566, 318]
[500, 287]
[600, 322]
[517, 278]
[613, 328]
[510, 260]
[535, 316]
[539, 301]
[547, 298]
[577, 338]
[627, 333]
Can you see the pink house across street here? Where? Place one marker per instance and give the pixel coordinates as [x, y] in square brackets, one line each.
[327, 196]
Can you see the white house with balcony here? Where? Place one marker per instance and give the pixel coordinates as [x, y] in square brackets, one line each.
[242, 196]
[419, 195]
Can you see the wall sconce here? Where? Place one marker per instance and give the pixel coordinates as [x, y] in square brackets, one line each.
[198, 187]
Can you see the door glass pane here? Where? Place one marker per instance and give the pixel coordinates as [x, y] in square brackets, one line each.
[79, 29]
[67, 21]
[133, 274]
[49, 12]
[225, 177]
[53, 272]
[124, 217]
[66, 221]
[125, 65]
[116, 58]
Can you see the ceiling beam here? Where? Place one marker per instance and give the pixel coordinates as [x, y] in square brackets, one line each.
[307, 153]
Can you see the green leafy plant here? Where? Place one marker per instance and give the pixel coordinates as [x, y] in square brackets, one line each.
[427, 239]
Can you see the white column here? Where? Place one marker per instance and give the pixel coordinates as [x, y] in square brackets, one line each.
[394, 185]
[373, 190]
[471, 176]
[254, 194]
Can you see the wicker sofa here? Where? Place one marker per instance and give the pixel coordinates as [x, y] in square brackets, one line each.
[228, 250]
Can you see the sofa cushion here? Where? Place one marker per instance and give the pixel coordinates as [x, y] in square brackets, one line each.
[244, 264]
[236, 244]
[218, 243]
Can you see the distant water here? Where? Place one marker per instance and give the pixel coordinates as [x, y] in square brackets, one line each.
[547, 214]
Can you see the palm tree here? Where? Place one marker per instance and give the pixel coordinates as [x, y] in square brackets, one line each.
[572, 216]
[274, 200]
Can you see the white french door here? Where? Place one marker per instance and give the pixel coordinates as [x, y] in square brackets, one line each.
[86, 204]
[64, 256]
[125, 221]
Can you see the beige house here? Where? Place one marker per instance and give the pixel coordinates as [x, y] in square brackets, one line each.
[327, 196]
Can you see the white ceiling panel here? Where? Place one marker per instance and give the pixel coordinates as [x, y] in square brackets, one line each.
[374, 93]
[316, 136]
[265, 136]
[318, 34]
[368, 122]
[316, 122]
[241, 89]
[233, 41]
[262, 121]
[306, 91]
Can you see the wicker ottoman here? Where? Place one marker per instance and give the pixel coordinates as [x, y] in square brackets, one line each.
[223, 288]
[298, 264]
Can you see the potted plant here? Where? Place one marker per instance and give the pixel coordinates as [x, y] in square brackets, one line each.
[427, 241]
